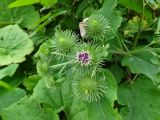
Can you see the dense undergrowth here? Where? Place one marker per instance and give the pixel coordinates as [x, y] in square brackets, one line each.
[79, 60]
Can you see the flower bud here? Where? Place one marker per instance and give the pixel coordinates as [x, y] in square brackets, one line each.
[89, 89]
[97, 27]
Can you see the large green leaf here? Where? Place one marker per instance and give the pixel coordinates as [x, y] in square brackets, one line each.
[24, 16]
[50, 96]
[103, 110]
[28, 109]
[14, 45]
[142, 100]
[138, 64]
[8, 71]
[9, 97]
[61, 99]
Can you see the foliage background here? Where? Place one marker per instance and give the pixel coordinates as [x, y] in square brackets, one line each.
[30, 91]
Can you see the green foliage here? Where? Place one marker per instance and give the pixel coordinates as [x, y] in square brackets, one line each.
[137, 5]
[8, 71]
[132, 26]
[10, 97]
[34, 111]
[79, 60]
[26, 17]
[14, 45]
[139, 98]
[19, 3]
[145, 67]
[31, 82]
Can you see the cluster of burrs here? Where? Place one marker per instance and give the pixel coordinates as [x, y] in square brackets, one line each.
[85, 57]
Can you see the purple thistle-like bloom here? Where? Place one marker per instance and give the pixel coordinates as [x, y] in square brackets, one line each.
[83, 57]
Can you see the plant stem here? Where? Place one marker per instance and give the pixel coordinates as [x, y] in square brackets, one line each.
[119, 50]
[61, 64]
[5, 85]
[121, 42]
[117, 38]
[139, 29]
[145, 47]
[135, 77]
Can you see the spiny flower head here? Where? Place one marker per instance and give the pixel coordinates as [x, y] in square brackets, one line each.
[64, 42]
[97, 27]
[88, 57]
[89, 89]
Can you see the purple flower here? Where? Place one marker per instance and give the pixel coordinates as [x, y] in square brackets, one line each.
[83, 57]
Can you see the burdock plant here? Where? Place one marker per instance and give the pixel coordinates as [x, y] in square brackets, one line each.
[97, 27]
[84, 58]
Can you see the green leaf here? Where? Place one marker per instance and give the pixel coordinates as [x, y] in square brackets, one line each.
[8, 71]
[137, 5]
[132, 26]
[117, 71]
[19, 3]
[115, 20]
[104, 108]
[153, 4]
[140, 65]
[47, 95]
[5, 85]
[141, 99]
[43, 55]
[109, 6]
[48, 3]
[7, 98]
[28, 109]
[65, 100]
[14, 45]
[31, 81]
[73, 107]
[26, 17]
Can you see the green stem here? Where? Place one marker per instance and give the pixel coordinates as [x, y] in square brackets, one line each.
[117, 38]
[152, 43]
[121, 42]
[5, 85]
[118, 50]
[135, 77]
[145, 47]
[139, 28]
[61, 64]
